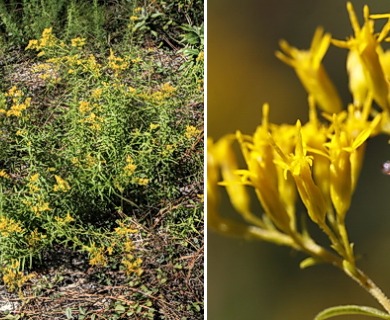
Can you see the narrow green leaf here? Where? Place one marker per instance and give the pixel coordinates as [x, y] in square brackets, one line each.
[308, 262]
[351, 309]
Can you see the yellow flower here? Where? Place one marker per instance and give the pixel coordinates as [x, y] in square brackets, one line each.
[95, 122]
[34, 178]
[311, 72]
[14, 92]
[364, 63]
[191, 132]
[78, 42]
[153, 126]
[84, 107]
[226, 160]
[128, 246]
[299, 165]
[96, 93]
[130, 167]
[124, 229]
[91, 65]
[61, 184]
[346, 150]
[142, 181]
[132, 265]
[116, 64]
[33, 183]
[4, 174]
[200, 57]
[9, 226]
[41, 207]
[167, 88]
[35, 237]
[47, 38]
[33, 44]
[97, 256]
[12, 277]
[67, 219]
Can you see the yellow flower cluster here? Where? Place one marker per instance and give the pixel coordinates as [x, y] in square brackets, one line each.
[163, 92]
[192, 132]
[117, 64]
[132, 265]
[166, 90]
[85, 107]
[33, 183]
[74, 63]
[78, 42]
[9, 226]
[142, 181]
[135, 16]
[61, 184]
[47, 40]
[34, 238]
[13, 278]
[40, 207]
[4, 174]
[67, 219]
[96, 93]
[200, 57]
[67, 57]
[130, 167]
[124, 229]
[319, 161]
[95, 122]
[97, 256]
[18, 103]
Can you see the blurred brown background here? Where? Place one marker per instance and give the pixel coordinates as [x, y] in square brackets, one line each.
[257, 280]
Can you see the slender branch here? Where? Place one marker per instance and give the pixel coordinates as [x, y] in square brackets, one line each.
[365, 282]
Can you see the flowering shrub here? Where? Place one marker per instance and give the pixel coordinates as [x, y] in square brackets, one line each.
[317, 163]
[73, 169]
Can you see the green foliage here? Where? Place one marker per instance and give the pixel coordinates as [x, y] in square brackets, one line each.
[193, 50]
[101, 21]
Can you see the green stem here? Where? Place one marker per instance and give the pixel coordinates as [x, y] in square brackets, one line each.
[345, 241]
[314, 250]
[365, 282]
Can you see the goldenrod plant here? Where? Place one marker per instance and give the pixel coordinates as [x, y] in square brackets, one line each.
[317, 163]
[108, 145]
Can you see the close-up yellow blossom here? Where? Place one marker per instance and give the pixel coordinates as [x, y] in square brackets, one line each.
[310, 70]
[365, 57]
[294, 184]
